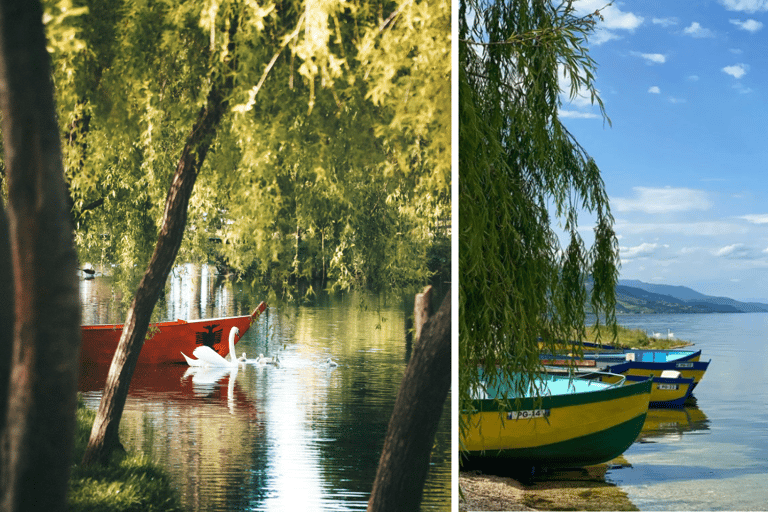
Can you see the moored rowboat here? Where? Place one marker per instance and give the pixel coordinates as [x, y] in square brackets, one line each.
[688, 369]
[166, 340]
[577, 423]
[666, 390]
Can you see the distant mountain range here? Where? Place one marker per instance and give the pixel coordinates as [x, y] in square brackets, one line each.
[638, 297]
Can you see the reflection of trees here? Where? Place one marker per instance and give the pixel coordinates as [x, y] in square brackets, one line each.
[326, 425]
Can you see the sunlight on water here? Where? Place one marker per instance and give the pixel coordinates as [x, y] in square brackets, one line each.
[299, 436]
[711, 456]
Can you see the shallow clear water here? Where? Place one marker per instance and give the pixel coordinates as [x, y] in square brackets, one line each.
[713, 456]
[301, 436]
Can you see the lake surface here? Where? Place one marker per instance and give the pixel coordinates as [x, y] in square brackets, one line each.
[713, 456]
[301, 436]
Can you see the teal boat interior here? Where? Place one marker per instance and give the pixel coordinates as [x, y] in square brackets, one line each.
[643, 356]
[542, 385]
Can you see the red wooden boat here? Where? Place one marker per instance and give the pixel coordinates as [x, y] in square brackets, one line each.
[168, 341]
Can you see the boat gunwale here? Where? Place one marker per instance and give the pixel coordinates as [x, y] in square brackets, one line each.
[167, 323]
[565, 400]
[670, 365]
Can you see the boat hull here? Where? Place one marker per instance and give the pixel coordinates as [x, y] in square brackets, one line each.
[665, 392]
[688, 369]
[165, 340]
[571, 430]
[645, 354]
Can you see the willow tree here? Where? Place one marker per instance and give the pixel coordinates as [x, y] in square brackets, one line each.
[523, 178]
[332, 159]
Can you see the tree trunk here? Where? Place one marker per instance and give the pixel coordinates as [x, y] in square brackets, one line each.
[37, 426]
[104, 435]
[404, 459]
[6, 333]
[422, 307]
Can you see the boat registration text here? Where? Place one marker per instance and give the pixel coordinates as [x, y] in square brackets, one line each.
[524, 415]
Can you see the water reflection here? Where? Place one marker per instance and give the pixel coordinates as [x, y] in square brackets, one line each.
[671, 423]
[298, 436]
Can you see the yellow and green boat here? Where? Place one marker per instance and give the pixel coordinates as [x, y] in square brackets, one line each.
[566, 422]
[666, 390]
[688, 369]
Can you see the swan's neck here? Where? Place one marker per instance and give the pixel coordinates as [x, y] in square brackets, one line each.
[232, 355]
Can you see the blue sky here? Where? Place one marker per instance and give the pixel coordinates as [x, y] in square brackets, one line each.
[685, 84]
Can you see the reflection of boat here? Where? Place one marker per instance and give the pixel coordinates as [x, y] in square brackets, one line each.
[173, 383]
[673, 422]
[578, 422]
[166, 340]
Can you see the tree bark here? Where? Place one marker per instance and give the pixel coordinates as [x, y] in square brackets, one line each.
[37, 426]
[6, 332]
[422, 307]
[405, 457]
[104, 435]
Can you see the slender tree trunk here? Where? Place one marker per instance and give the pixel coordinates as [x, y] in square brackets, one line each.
[37, 426]
[6, 333]
[404, 459]
[104, 435]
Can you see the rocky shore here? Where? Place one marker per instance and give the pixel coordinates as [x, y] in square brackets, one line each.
[584, 489]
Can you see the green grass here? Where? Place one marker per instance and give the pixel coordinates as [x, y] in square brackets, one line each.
[131, 482]
[633, 338]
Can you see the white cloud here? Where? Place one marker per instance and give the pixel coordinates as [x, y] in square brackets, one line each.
[734, 251]
[614, 20]
[664, 22]
[654, 89]
[753, 218]
[651, 58]
[737, 70]
[745, 5]
[574, 114]
[749, 25]
[663, 200]
[693, 78]
[676, 100]
[702, 229]
[696, 30]
[639, 251]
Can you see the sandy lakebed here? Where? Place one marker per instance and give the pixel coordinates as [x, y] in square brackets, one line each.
[578, 489]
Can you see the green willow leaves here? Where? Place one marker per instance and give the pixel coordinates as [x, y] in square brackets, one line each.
[520, 173]
[333, 162]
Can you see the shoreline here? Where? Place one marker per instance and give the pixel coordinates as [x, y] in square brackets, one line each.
[578, 489]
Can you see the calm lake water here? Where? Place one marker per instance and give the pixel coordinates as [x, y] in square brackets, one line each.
[301, 436]
[713, 456]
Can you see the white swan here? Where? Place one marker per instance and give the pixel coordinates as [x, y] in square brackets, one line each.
[206, 356]
[332, 363]
[268, 360]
